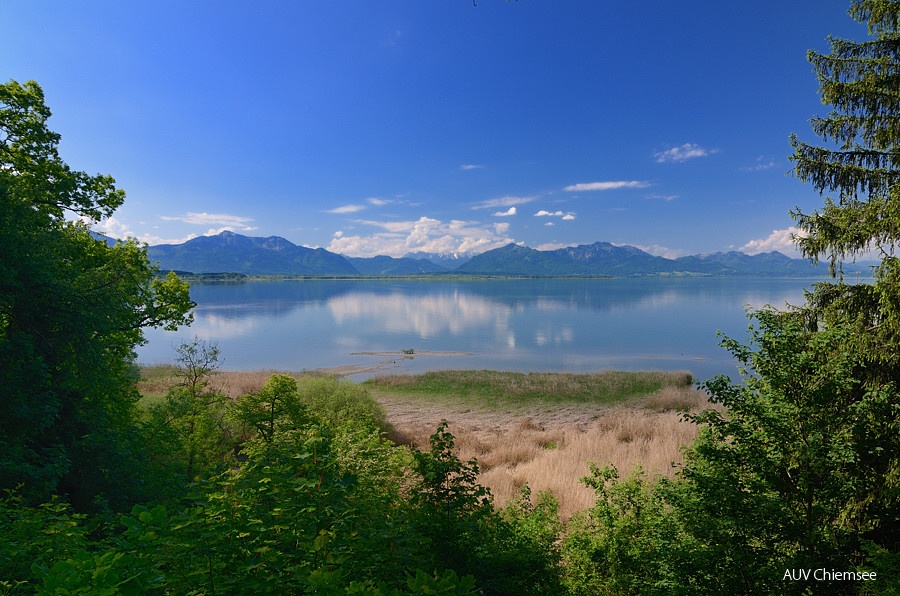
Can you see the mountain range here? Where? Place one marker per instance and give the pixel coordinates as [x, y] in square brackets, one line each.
[234, 253]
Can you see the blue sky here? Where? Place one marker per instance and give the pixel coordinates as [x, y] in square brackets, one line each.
[374, 127]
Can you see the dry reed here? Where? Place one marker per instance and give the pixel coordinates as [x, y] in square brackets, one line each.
[550, 448]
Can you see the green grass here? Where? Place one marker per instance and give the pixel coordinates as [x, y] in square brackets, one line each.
[155, 381]
[481, 387]
[493, 388]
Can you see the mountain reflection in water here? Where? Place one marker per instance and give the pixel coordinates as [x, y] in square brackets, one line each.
[575, 325]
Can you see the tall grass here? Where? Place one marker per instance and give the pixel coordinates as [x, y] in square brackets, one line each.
[540, 428]
[493, 388]
[550, 449]
[157, 379]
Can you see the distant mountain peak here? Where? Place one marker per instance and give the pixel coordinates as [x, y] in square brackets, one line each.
[230, 252]
[449, 260]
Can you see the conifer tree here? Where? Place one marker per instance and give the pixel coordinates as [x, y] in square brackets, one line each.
[857, 168]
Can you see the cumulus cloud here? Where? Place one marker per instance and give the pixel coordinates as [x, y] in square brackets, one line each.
[553, 246]
[118, 230]
[607, 185]
[425, 234]
[346, 209]
[780, 240]
[502, 202]
[212, 219]
[683, 153]
[110, 227]
[507, 213]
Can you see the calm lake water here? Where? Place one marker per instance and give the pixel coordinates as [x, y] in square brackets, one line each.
[523, 325]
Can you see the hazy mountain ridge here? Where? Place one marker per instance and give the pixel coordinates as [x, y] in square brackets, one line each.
[448, 260]
[384, 265]
[234, 253]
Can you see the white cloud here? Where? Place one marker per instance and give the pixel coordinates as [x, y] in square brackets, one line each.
[424, 234]
[553, 246]
[378, 201]
[507, 213]
[471, 166]
[502, 202]
[683, 153]
[780, 240]
[113, 228]
[762, 163]
[217, 231]
[212, 219]
[346, 209]
[565, 216]
[110, 227]
[662, 251]
[608, 185]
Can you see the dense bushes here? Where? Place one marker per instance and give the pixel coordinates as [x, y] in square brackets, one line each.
[799, 473]
[315, 500]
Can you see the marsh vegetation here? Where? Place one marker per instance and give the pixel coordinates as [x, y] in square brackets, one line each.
[540, 430]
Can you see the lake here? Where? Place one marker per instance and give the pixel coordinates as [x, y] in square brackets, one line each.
[574, 325]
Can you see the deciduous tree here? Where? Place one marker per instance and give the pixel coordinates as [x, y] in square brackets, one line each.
[72, 307]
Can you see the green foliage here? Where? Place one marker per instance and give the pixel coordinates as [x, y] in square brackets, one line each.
[277, 406]
[71, 311]
[449, 486]
[803, 469]
[511, 553]
[310, 508]
[108, 573]
[632, 541]
[276, 524]
[799, 472]
[316, 501]
[340, 402]
[193, 418]
[32, 535]
[859, 164]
